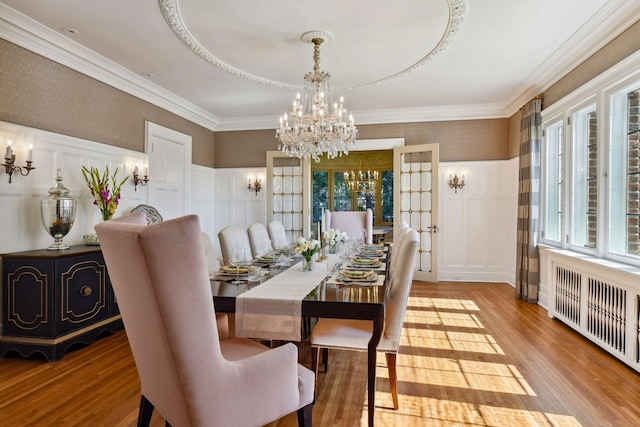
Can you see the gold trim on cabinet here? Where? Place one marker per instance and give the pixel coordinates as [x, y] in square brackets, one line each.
[66, 312]
[50, 341]
[40, 278]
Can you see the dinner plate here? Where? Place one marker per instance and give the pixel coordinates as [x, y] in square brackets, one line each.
[357, 276]
[232, 269]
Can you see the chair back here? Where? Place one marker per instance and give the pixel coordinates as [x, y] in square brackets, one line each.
[231, 238]
[399, 288]
[277, 235]
[159, 276]
[259, 240]
[351, 222]
[213, 265]
[397, 243]
[151, 213]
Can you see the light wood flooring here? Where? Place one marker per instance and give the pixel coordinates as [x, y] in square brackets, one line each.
[471, 355]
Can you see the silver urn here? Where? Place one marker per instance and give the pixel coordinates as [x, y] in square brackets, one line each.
[58, 213]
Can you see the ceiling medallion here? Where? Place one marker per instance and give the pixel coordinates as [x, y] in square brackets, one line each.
[457, 13]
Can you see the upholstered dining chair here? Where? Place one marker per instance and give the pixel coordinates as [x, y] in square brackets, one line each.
[192, 378]
[231, 238]
[213, 265]
[351, 222]
[278, 235]
[348, 334]
[259, 239]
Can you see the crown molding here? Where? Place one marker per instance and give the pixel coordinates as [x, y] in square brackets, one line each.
[611, 20]
[31, 35]
[372, 117]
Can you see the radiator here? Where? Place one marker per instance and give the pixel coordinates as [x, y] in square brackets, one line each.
[597, 301]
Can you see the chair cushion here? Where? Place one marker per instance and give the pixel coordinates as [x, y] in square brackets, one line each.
[347, 334]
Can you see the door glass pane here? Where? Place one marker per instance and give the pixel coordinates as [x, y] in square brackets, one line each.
[320, 194]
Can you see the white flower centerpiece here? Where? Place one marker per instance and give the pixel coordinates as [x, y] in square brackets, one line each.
[307, 248]
[333, 238]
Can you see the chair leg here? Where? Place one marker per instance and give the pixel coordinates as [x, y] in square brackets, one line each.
[145, 412]
[305, 416]
[315, 361]
[325, 359]
[393, 377]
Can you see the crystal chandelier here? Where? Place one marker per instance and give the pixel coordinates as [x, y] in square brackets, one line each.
[361, 180]
[315, 126]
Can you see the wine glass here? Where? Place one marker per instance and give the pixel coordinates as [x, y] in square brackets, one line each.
[239, 257]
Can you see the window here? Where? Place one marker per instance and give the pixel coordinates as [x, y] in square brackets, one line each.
[591, 170]
[331, 191]
[584, 189]
[553, 161]
[624, 164]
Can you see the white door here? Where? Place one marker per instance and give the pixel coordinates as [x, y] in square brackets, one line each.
[169, 166]
[415, 201]
[289, 193]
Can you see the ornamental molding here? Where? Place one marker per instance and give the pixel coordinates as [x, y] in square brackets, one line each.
[171, 13]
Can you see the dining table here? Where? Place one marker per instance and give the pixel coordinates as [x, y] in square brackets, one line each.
[329, 300]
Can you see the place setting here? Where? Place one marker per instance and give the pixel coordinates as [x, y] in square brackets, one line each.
[357, 278]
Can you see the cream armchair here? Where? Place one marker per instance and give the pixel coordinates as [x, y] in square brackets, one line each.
[351, 222]
[259, 240]
[347, 334]
[231, 238]
[278, 235]
[159, 275]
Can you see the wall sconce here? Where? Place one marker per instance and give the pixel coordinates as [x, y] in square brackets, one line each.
[456, 183]
[137, 180]
[255, 186]
[10, 162]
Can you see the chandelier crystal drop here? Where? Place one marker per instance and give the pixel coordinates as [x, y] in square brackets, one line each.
[315, 124]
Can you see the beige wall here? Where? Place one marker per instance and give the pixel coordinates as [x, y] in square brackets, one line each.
[43, 94]
[622, 46]
[460, 140]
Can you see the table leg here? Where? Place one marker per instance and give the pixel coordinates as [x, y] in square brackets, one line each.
[378, 324]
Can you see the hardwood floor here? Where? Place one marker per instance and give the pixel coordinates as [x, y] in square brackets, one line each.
[471, 355]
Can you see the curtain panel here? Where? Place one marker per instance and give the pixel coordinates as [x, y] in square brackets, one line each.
[527, 262]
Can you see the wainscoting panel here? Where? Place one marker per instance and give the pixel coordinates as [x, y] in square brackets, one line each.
[234, 203]
[21, 225]
[477, 237]
[597, 298]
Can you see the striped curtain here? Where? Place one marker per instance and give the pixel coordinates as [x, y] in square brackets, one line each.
[527, 263]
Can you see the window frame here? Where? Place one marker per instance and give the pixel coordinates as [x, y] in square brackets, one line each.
[601, 90]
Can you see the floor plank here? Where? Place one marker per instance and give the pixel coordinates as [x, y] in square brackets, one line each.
[471, 354]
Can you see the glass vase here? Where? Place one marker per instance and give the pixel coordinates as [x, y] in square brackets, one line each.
[308, 264]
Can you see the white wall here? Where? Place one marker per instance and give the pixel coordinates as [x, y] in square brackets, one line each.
[477, 225]
[20, 220]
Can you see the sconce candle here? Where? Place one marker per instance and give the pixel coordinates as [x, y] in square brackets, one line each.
[10, 160]
[455, 182]
[255, 186]
[137, 180]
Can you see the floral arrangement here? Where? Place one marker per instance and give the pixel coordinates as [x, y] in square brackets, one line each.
[333, 237]
[307, 248]
[105, 190]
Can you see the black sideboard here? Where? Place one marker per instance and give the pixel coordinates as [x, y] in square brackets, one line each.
[54, 299]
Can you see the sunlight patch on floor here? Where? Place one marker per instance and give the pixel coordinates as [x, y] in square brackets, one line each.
[443, 412]
[442, 318]
[443, 303]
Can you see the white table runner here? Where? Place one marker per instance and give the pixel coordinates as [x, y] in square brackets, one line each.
[273, 310]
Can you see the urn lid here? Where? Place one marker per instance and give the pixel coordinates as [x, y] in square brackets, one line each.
[59, 191]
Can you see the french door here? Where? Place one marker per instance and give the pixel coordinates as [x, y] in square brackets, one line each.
[415, 201]
[288, 190]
